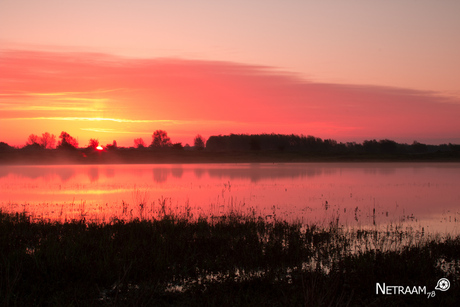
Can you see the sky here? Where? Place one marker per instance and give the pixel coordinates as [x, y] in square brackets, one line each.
[119, 70]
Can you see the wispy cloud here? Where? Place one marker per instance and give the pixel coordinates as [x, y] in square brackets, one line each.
[113, 131]
[15, 107]
[122, 120]
[70, 93]
[118, 120]
[216, 97]
[54, 101]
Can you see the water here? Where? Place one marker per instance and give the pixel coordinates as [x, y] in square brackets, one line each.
[424, 196]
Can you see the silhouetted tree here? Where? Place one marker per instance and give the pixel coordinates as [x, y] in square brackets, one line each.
[177, 146]
[454, 147]
[371, 146]
[139, 143]
[216, 143]
[5, 147]
[112, 146]
[388, 146]
[329, 144]
[93, 143]
[255, 143]
[67, 141]
[32, 147]
[199, 142]
[419, 147]
[33, 139]
[48, 141]
[160, 139]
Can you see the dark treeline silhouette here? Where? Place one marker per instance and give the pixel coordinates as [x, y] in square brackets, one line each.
[222, 148]
[160, 141]
[311, 144]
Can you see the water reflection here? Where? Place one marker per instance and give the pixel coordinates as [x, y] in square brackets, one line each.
[160, 175]
[424, 194]
[38, 172]
[255, 172]
[65, 174]
[110, 172]
[199, 172]
[177, 172]
[93, 174]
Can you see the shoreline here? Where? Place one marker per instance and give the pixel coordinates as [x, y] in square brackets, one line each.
[129, 156]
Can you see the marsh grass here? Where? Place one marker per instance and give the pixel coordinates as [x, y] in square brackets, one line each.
[227, 260]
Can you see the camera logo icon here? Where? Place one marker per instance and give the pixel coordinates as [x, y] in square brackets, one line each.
[443, 284]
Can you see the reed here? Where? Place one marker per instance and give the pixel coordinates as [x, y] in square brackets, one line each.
[228, 260]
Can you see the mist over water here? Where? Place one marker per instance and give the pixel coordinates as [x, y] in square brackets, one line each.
[424, 196]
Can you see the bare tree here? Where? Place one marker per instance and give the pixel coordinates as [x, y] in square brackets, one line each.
[199, 142]
[160, 139]
[139, 143]
[33, 139]
[67, 141]
[48, 141]
[93, 143]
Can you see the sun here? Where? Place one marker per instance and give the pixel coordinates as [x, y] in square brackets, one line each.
[100, 148]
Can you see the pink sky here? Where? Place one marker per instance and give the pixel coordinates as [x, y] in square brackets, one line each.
[108, 97]
[118, 70]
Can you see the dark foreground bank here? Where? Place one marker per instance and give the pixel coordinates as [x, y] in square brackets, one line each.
[227, 261]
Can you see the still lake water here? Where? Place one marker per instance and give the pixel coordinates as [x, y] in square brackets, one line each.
[381, 195]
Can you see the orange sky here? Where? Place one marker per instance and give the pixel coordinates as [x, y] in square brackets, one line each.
[119, 70]
[111, 98]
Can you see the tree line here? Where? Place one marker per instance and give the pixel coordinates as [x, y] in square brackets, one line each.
[160, 140]
[243, 143]
[310, 144]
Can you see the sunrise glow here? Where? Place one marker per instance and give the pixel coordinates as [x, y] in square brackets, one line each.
[228, 69]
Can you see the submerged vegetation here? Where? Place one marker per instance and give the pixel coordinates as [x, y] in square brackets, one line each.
[228, 260]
